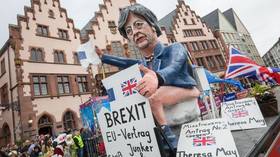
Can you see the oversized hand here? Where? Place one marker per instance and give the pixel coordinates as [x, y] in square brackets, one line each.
[149, 83]
[99, 52]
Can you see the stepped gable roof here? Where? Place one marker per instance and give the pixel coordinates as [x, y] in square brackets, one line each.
[167, 21]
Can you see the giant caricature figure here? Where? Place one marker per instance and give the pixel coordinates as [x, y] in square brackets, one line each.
[166, 79]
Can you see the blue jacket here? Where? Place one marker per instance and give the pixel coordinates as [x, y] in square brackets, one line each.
[170, 62]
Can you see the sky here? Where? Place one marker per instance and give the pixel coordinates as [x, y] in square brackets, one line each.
[260, 17]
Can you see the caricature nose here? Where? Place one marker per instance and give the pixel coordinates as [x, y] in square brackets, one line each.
[135, 30]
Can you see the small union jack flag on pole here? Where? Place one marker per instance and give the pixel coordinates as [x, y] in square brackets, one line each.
[204, 141]
[128, 87]
[238, 114]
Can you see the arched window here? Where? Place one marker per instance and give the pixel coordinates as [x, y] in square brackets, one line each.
[36, 54]
[44, 120]
[68, 120]
[76, 58]
[6, 134]
[59, 56]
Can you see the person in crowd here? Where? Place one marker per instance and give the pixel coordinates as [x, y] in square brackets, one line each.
[13, 153]
[3, 152]
[36, 152]
[58, 151]
[86, 135]
[167, 73]
[67, 151]
[72, 146]
[31, 146]
[79, 143]
[59, 148]
[47, 148]
[101, 147]
[25, 147]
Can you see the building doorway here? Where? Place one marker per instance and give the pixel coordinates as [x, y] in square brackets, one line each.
[45, 125]
[45, 130]
[5, 136]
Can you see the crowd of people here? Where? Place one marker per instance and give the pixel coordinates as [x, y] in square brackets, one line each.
[76, 143]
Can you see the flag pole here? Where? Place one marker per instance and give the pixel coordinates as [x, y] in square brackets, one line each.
[103, 72]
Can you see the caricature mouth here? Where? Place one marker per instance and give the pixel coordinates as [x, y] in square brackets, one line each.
[140, 39]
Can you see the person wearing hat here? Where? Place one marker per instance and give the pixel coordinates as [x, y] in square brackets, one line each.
[167, 76]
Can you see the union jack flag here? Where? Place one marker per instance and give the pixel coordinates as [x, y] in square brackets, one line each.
[242, 66]
[128, 87]
[204, 141]
[238, 114]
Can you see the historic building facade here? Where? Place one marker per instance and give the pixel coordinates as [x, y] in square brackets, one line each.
[229, 30]
[272, 57]
[41, 75]
[184, 26]
[8, 115]
[181, 25]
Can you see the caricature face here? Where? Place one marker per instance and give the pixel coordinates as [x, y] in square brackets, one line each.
[139, 31]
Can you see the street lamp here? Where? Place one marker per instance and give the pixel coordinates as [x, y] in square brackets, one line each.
[30, 121]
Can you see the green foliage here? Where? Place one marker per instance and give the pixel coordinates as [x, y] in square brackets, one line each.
[259, 90]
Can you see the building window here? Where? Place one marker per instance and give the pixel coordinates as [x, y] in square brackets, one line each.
[193, 32]
[112, 26]
[198, 32]
[63, 84]
[51, 14]
[220, 60]
[187, 33]
[4, 95]
[247, 51]
[63, 34]
[36, 54]
[200, 62]
[82, 83]
[193, 21]
[194, 46]
[3, 67]
[76, 58]
[185, 21]
[186, 13]
[213, 44]
[204, 45]
[211, 62]
[117, 48]
[44, 120]
[40, 85]
[59, 56]
[42, 30]
[68, 120]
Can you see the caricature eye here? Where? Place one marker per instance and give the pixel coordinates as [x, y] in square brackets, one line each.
[128, 31]
[138, 25]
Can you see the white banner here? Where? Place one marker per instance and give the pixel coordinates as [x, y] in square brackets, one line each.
[208, 138]
[243, 114]
[127, 124]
